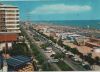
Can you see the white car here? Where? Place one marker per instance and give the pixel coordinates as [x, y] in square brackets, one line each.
[48, 51]
[53, 60]
[75, 59]
[67, 53]
[53, 52]
[63, 50]
[83, 64]
[71, 54]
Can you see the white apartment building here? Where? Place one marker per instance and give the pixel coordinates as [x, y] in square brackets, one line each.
[9, 18]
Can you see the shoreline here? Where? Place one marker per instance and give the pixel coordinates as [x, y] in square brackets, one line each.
[83, 25]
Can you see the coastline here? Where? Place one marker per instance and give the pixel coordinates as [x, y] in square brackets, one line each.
[93, 24]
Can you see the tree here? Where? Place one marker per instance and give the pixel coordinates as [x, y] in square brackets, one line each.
[19, 49]
[97, 60]
[89, 54]
[59, 56]
[81, 56]
[74, 50]
[44, 46]
[89, 59]
[40, 58]
[60, 42]
[67, 47]
[91, 62]
[52, 39]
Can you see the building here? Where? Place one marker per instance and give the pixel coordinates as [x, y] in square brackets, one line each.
[17, 63]
[9, 18]
[9, 28]
[77, 39]
[7, 38]
[93, 42]
[9, 24]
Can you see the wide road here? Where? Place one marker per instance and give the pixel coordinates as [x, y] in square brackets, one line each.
[53, 65]
[68, 61]
[75, 66]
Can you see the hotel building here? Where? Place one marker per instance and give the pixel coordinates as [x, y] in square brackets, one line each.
[9, 18]
[9, 24]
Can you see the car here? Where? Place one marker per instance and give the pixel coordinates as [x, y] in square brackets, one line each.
[74, 59]
[83, 64]
[53, 52]
[53, 60]
[58, 47]
[50, 41]
[71, 54]
[63, 50]
[48, 51]
[67, 53]
[87, 67]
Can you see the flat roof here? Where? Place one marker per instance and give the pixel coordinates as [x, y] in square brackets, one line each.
[7, 6]
[18, 61]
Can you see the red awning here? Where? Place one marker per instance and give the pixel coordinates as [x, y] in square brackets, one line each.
[8, 37]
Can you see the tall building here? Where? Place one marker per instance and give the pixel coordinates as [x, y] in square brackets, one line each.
[9, 25]
[9, 18]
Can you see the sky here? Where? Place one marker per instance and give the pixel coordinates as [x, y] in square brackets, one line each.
[57, 9]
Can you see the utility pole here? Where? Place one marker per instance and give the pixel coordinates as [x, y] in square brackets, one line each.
[5, 66]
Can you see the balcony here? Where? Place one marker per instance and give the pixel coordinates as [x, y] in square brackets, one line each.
[13, 28]
[18, 31]
[12, 13]
[12, 20]
[12, 24]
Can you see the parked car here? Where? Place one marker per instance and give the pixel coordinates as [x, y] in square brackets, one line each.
[83, 64]
[87, 67]
[75, 59]
[48, 51]
[67, 53]
[64, 50]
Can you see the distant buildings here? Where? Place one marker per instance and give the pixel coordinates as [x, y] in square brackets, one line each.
[93, 43]
[9, 24]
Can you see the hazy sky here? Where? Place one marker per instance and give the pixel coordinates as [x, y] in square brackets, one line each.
[57, 9]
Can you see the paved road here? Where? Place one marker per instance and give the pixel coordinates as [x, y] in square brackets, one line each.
[72, 64]
[42, 52]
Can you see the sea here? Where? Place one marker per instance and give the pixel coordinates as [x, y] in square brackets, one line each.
[91, 24]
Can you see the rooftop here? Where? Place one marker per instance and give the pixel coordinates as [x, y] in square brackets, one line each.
[18, 61]
[4, 5]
